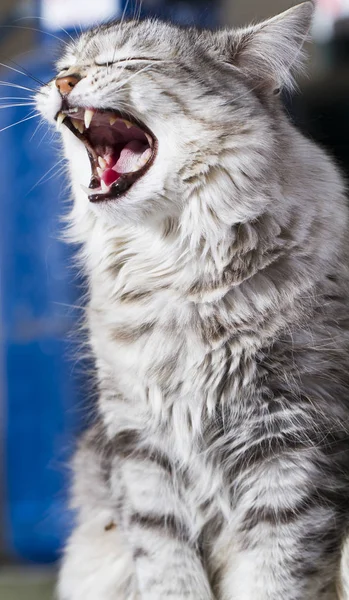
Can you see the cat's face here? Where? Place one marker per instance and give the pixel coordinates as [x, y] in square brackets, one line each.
[150, 110]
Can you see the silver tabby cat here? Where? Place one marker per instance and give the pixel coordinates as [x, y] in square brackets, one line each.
[214, 236]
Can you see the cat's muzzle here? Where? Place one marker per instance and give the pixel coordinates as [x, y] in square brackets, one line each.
[120, 149]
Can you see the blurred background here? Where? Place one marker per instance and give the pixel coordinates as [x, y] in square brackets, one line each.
[44, 391]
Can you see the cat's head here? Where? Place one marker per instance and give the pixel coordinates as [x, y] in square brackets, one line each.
[153, 111]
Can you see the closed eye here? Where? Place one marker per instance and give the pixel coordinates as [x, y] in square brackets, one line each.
[132, 59]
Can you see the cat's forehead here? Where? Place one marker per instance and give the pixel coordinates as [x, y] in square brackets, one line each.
[117, 41]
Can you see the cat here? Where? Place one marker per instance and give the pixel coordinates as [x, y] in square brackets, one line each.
[214, 238]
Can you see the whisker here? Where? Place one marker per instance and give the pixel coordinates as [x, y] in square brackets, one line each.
[82, 307]
[243, 95]
[68, 34]
[124, 12]
[41, 180]
[44, 135]
[11, 68]
[48, 129]
[28, 73]
[55, 174]
[40, 124]
[19, 104]
[135, 74]
[122, 71]
[16, 85]
[19, 122]
[32, 29]
[137, 11]
[44, 19]
[15, 97]
[121, 22]
[140, 10]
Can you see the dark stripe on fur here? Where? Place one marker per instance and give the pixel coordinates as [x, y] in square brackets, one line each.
[130, 334]
[154, 456]
[279, 516]
[166, 524]
[271, 448]
[126, 444]
[140, 553]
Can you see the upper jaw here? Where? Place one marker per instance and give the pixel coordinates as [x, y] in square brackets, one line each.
[121, 149]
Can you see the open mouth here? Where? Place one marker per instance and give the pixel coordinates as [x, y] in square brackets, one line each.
[120, 149]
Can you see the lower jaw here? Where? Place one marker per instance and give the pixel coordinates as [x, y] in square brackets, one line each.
[116, 190]
[120, 187]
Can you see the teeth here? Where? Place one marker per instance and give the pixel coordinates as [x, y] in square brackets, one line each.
[113, 119]
[78, 125]
[146, 156]
[102, 163]
[81, 127]
[100, 172]
[87, 190]
[88, 117]
[143, 160]
[60, 120]
[150, 141]
[104, 186]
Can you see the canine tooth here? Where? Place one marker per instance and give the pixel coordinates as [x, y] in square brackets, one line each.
[150, 140]
[127, 123]
[139, 166]
[143, 159]
[78, 125]
[102, 163]
[146, 155]
[87, 190]
[104, 186]
[100, 172]
[112, 119]
[88, 117]
[60, 120]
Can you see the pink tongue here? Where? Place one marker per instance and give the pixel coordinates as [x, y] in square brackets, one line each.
[109, 176]
[129, 157]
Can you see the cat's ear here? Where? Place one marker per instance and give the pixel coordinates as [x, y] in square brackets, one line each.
[272, 51]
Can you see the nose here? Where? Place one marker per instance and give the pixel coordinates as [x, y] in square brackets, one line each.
[67, 83]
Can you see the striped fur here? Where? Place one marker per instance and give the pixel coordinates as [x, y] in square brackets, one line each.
[218, 466]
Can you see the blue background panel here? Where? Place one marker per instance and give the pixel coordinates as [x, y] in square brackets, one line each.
[43, 399]
[39, 287]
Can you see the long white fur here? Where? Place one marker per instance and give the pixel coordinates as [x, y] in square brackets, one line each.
[129, 236]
